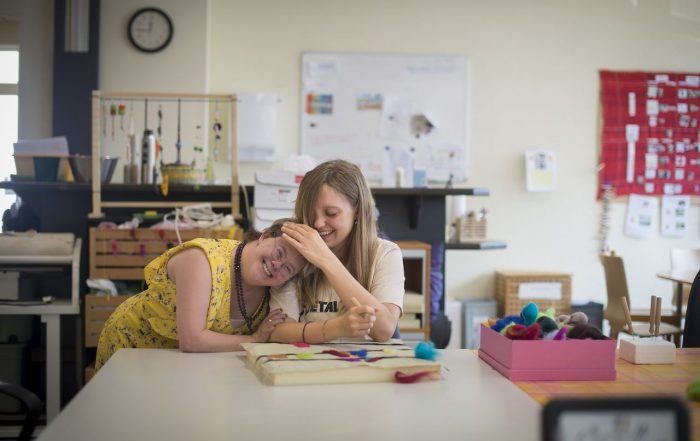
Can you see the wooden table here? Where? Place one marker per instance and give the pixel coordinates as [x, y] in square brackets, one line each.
[169, 395]
[680, 278]
[632, 380]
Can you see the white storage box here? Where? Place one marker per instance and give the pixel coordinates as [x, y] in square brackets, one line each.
[276, 190]
[264, 217]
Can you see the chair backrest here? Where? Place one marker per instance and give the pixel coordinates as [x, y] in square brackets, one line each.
[691, 331]
[684, 259]
[31, 407]
[616, 285]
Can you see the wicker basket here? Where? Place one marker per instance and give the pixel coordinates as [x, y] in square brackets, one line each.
[514, 289]
[470, 229]
[122, 254]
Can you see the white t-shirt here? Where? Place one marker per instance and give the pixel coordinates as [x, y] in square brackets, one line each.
[386, 284]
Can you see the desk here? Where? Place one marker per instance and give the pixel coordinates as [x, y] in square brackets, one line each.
[50, 315]
[680, 278]
[632, 380]
[169, 395]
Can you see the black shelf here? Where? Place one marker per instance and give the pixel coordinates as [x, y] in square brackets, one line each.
[477, 245]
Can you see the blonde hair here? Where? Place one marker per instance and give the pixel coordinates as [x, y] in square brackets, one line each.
[360, 246]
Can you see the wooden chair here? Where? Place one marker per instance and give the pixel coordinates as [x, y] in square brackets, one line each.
[691, 332]
[616, 284]
[684, 259]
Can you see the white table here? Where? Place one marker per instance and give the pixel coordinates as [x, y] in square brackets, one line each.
[50, 315]
[169, 395]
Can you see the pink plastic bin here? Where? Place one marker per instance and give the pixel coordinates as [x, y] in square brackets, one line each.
[545, 360]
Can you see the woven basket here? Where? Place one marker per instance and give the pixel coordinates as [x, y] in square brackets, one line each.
[508, 287]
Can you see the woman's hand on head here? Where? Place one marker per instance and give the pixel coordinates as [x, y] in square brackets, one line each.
[358, 321]
[308, 242]
[274, 318]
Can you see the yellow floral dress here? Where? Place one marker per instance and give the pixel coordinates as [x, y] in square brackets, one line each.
[147, 320]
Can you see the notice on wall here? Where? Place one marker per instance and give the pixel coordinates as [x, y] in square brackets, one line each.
[675, 215]
[641, 212]
[540, 170]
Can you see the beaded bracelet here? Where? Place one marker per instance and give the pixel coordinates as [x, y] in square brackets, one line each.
[303, 332]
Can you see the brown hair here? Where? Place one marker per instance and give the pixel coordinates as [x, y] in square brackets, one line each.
[274, 230]
[361, 244]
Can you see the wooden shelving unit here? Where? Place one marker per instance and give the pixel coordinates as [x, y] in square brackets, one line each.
[416, 257]
[99, 97]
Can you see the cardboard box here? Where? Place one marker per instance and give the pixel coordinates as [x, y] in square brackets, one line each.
[276, 190]
[547, 360]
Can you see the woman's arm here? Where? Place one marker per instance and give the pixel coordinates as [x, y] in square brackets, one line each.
[191, 273]
[310, 244]
[356, 322]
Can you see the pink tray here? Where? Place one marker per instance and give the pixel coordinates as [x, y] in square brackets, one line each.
[545, 360]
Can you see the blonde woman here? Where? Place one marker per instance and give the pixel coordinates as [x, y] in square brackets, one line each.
[206, 295]
[354, 285]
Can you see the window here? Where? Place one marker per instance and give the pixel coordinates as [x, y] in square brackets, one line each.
[9, 79]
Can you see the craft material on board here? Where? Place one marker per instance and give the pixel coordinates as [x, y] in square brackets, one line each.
[362, 362]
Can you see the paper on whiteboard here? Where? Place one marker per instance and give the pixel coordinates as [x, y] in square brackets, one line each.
[540, 290]
[396, 158]
[395, 123]
[445, 161]
[257, 126]
[675, 215]
[641, 212]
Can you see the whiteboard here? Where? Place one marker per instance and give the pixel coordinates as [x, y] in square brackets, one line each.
[358, 106]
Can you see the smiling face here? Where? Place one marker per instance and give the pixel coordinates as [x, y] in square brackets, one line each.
[333, 217]
[270, 261]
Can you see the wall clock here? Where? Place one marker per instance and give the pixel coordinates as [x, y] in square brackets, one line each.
[150, 30]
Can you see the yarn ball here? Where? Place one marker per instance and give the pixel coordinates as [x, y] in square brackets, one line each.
[582, 332]
[508, 326]
[522, 332]
[425, 350]
[505, 321]
[694, 390]
[550, 335]
[548, 324]
[529, 313]
[578, 318]
[561, 334]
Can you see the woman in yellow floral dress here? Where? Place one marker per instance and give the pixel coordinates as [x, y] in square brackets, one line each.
[206, 295]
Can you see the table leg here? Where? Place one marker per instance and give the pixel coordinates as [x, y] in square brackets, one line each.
[679, 311]
[53, 364]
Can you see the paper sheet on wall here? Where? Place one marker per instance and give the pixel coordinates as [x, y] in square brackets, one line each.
[540, 170]
[257, 126]
[675, 215]
[641, 212]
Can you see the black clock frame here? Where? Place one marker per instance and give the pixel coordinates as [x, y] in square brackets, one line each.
[157, 11]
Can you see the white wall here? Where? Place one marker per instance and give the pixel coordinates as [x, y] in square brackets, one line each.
[180, 68]
[534, 84]
[35, 65]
